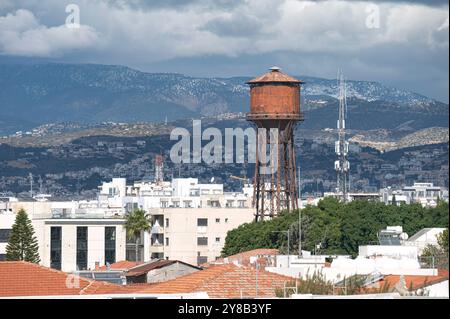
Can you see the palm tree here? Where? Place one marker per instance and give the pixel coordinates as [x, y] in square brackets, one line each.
[137, 222]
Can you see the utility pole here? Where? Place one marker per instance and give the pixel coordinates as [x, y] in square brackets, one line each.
[31, 184]
[299, 216]
[41, 190]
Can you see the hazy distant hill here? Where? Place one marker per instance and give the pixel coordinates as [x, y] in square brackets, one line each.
[35, 94]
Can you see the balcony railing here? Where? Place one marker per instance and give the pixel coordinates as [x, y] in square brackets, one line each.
[157, 230]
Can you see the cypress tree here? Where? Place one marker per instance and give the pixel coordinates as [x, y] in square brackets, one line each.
[22, 243]
[394, 200]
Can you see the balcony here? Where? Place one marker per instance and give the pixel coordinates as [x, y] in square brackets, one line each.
[156, 229]
[157, 248]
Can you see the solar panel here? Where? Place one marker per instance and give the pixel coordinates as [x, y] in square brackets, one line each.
[389, 239]
[106, 275]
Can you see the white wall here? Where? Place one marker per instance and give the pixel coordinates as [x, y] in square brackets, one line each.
[6, 222]
[183, 231]
[438, 290]
[338, 274]
[391, 251]
[96, 243]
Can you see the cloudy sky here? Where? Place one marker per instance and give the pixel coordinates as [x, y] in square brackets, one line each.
[400, 43]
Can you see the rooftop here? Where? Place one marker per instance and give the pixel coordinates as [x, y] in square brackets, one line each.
[19, 278]
[156, 264]
[275, 75]
[243, 258]
[413, 281]
[222, 281]
[122, 265]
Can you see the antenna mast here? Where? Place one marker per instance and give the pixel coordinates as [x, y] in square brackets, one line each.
[40, 185]
[31, 184]
[342, 165]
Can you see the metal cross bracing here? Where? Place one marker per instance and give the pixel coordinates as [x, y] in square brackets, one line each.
[342, 165]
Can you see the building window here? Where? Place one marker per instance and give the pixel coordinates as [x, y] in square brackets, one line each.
[202, 260]
[167, 222]
[110, 245]
[82, 248]
[202, 221]
[167, 241]
[226, 220]
[55, 247]
[217, 239]
[4, 235]
[202, 241]
[217, 220]
[2, 257]
[164, 204]
[130, 207]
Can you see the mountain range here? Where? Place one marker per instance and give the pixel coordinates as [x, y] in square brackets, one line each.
[35, 94]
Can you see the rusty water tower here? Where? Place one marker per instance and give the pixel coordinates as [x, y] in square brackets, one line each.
[274, 104]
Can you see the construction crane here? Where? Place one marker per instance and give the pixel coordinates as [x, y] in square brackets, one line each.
[239, 178]
[244, 180]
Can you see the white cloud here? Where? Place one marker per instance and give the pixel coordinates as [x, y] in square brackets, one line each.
[22, 34]
[252, 26]
[313, 36]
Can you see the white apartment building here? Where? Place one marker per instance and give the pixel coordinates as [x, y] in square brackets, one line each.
[425, 194]
[195, 236]
[190, 220]
[71, 235]
[190, 223]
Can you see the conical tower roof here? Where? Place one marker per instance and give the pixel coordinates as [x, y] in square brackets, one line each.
[274, 75]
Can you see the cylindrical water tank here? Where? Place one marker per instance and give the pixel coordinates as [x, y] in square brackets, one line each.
[275, 95]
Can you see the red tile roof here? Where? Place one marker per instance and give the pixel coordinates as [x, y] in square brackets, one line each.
[243, 258]
[156, 264]
[18, 278]
[415, 282]
[223, 281]
[122, 265]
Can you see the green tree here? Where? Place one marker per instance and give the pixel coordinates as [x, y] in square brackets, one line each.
[437, 256]
[339, 228]
[22, 244]
[443, 241]
[315, 284]
[394, 201]
[137, 222]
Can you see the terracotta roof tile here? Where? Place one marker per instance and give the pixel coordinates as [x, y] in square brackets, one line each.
[415, 281]
[18, 278]
[148, 266]
[243, 258]
[224, 281]
[122, 265]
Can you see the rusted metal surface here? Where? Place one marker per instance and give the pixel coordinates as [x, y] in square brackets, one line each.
[275, 75]
[274, 93]
[275, 103]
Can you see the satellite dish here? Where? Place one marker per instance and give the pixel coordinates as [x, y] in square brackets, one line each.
[404, 236]
[212, 179]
